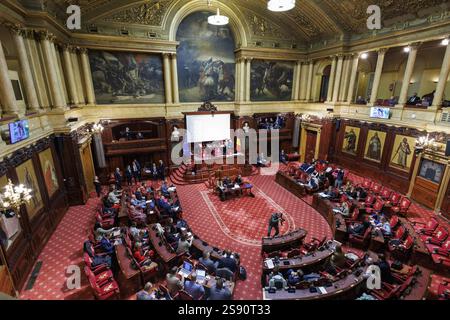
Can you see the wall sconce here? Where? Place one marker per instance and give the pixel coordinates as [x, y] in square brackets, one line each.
[364, 55]
[406, 49]
[445, 42]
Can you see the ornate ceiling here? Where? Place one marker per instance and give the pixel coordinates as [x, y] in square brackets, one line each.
[310, 21]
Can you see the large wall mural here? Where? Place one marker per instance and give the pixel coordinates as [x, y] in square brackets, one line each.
[271, 80]
[127, 77]
[206, 60]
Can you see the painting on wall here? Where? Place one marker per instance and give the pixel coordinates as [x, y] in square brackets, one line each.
[48, 168]
[375, 145]
[403, 152]
[351, 139]
[206, 60]
[27, 176]
[127, 77]
[271, 80]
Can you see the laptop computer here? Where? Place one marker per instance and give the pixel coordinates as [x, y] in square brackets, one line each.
[201, 275]
[186, 269]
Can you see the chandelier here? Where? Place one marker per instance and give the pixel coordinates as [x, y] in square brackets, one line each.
[13, 198]
[280, 5]
[97, 128]
[218, 19]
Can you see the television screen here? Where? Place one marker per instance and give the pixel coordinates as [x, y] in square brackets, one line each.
[19, 131]
[381, 113]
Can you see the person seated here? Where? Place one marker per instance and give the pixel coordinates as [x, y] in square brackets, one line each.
[352, 192]
[106, 245]
[193, 288]
[113, 195]
[385, 269]
[283, 157]
[165, 189]
[392, 101]
[339, 178]
[311, 168]
[228, 262]
[414, 100]
[337, 261]
[304, 166]
[294, 277]
[276, 279]
[331, 193]
[220, 185]
[227, 182]
[148, 293]
[428, 98]
[137, 215]
[359, 228]
[99, 232]
[360, 100]
[312, 184]
[208, 263]
[170, 237]
[184, 244]
[139, 136]
[361, 194]
[219, 292]
[142, 256]
[343, 209]
[164, 204]
[261, 160]
[137, 203]
[384, 226]
[238, 180]
[173, 281]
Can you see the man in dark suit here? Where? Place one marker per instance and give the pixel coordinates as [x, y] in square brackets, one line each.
[227, 262]
[118, 179]
[208, 263]
[161, 170]
[136, 169]
[219, 292]
[413, 100]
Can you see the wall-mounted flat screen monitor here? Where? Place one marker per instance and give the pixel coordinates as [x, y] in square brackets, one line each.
[380, 113]
[19, 131]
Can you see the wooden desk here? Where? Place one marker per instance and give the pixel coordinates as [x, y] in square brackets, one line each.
[420, 254]
[129, 279]
[335, 220]
[306, 263]
[289, 183]
[349, 287]
[123, 212]
[169, 258]
[199, 246]
[287, 241]
[377, 243]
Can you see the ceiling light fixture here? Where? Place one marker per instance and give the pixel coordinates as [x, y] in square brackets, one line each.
[406, 49]
[280, 5]
[364, 55]
[445, 42]
[218, 19]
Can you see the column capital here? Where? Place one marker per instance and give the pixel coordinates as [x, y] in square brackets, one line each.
[340, 56]
[46, 35]
[15, 28]
[166, 55]
[415, 45]
[66, 46]
[382, 51]
[83, 50]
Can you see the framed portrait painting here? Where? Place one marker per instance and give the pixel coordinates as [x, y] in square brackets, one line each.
[27, 176]
[49, 171]
[432, 171]
[374, 145]
[403, 152]
[351, 139]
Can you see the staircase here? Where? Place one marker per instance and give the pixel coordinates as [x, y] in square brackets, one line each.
[177, 176]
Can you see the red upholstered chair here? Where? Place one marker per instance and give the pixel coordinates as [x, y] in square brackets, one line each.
[354, 217]
[370, 199]
[361, 241]
[377, 207]
[426, 229]
[294, 253]
[165, 291]
[402, 208]
[444, 291]
[399, 233]
[367, 184]
[387, 291]
[402, 251]
[105, 223]
[394, 222]
[104, 290]
[312, 246]
[101, 278]
[95, 269]
[440, 255]
[184, 296]
[376, 188]
[385, 193]
[438, 237]
[394, 199]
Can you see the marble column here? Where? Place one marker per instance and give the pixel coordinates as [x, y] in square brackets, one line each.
[7, 98]
[59, 72]
[176, 95]
[408, 74]
[337, 81]
[248, 70]
[68, 68]
[331, 80]
[377, 78]
[25, 69]
[90, 94]
[345, 76]
[354, 73]
[442, 83]
[303, 81]
[77, 74]
[297, 80]
[236, 76]
[242, 80]
[167, 76]
[50, 65]
[310, 81]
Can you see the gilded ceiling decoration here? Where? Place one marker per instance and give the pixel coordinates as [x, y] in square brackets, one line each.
[264, 28]
[148, 13]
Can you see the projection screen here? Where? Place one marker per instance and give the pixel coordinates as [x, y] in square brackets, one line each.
[209, 127]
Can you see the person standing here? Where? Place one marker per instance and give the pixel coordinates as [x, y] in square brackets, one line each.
[129, 175]
[136, 169]
[274, 222]
[98, 187]
[118, 179]
[162, 170]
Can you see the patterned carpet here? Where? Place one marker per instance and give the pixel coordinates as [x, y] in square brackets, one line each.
[236, 224]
